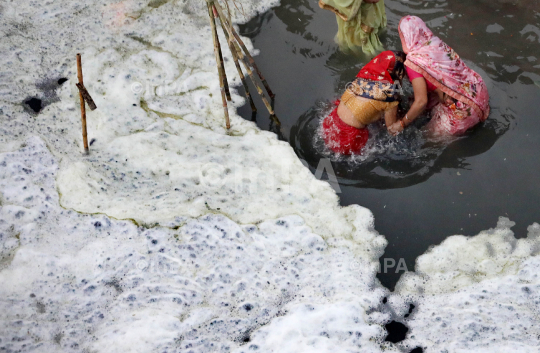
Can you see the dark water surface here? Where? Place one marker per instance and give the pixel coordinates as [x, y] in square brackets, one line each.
[419, 191]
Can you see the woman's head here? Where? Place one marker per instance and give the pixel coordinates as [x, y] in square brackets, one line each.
[387, 66]
[398, 70]
[413, 33]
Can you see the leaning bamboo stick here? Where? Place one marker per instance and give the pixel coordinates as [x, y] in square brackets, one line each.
[222, 65]
[87, 97]
[242, 58]
[237, 64]
[219, 64]
[254, 80]
[250, 58]
[83, 107]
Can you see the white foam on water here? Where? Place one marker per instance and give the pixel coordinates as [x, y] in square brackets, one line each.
[462, 261]
[77, 282]
[479, 294]
[176, 234]
[162, 151]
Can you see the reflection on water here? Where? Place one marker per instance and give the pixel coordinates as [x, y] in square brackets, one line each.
[420, 191]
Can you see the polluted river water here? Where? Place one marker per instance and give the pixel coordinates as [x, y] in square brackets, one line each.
[165, 238]
[419, 191]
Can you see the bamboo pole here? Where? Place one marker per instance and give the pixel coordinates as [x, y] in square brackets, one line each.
[245, 62]
[254, 80]
[250, 58]
[83, 108]
[237, 64]
[222, 65]
[268, 105]
[219, 63]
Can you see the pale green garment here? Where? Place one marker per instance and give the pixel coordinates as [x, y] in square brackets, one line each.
[359, 24]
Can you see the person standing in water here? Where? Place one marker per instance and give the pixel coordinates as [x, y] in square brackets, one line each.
[372, 95]
[359, 23]
[456, 95]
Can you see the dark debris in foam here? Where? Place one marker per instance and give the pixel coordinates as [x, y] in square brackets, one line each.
[411, 308]
[48, 87]
[396, 332]
[245, 337]
[34, 103]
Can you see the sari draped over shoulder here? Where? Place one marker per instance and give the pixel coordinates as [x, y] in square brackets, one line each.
[359, 23]
[439, 64]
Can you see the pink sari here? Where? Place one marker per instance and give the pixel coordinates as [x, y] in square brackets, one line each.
[440, 65]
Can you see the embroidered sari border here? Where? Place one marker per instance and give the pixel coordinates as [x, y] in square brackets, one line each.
[448, 91]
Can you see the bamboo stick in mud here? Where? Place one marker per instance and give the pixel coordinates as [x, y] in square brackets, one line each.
[221, 69]
[83, 107]
[236, 63]
[242, 45]
[244, 60]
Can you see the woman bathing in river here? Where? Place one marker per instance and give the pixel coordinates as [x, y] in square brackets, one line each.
[372, 95]
[455, 94]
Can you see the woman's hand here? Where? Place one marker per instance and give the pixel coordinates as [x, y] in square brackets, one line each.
[396, 128]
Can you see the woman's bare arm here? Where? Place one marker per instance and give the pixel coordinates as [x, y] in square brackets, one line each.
[390, 116]
[420, 98]
[420, 102]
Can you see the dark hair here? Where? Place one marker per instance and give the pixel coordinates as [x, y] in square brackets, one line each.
[399, 67]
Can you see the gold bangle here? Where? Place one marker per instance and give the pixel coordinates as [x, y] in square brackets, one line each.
[402, 125]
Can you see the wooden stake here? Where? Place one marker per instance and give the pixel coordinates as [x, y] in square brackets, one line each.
[221, 69]
[222, 65]
[250, 58]
[235, 58]
[245, 62]
[83, 108]
[254, 80]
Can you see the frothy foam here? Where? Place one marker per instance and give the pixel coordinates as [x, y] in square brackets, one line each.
[163, 243]
[478, 293]
[207, 286]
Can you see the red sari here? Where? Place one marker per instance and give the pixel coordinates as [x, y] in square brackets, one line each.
[341, 138]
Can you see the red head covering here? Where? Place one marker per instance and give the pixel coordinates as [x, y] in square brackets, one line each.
[385, 67]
